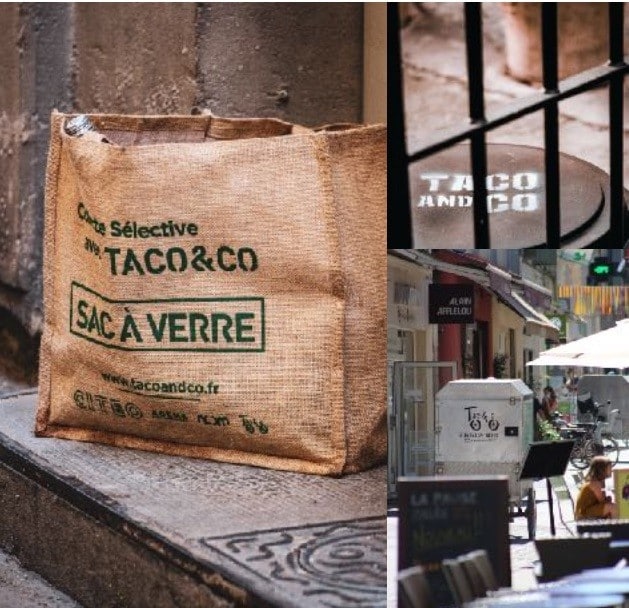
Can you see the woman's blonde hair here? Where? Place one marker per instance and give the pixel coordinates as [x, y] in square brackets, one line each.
[598, 468]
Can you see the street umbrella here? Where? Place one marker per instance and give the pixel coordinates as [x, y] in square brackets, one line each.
[607, 348]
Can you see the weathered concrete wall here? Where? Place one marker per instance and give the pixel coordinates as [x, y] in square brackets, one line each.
[35, 76]
[299, 61]
[375, 63]
[135, 58]
[10, 128]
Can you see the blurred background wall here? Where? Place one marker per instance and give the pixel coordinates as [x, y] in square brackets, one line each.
[311, 63]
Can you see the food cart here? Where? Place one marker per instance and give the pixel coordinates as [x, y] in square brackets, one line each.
[484, 427]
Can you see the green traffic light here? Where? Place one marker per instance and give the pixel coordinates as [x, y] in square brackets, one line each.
[601, 269]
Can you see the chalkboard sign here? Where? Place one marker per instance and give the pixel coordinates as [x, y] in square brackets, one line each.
[444, 517]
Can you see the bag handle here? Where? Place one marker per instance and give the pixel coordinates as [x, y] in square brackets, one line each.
[338, 126]
[236, 128]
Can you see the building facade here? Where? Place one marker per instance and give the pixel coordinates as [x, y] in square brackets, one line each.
[453, 314]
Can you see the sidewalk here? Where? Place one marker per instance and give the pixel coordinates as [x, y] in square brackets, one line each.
[174, 531]
[523, 552]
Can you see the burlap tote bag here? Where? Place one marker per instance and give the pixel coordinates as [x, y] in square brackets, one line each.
[216, 288]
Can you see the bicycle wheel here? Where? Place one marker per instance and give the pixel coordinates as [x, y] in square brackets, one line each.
[611, 449]
[582, 454]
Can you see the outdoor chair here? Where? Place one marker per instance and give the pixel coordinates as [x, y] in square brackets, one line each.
[587, 409]
[477, 584]
[479, 571]
[413, 589]
[457, 580]
[563, 556]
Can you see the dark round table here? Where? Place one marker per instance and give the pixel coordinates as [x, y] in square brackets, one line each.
[543, 599]
[441, 199]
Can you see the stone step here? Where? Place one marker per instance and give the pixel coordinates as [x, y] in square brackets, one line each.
[118, 527]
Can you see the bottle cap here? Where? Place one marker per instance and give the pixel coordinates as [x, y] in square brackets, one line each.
[79, 125]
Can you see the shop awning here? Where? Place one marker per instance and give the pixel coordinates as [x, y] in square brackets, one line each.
[535, 323]
[498, 282]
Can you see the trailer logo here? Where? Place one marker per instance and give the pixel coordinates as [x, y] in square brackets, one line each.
[483, 424]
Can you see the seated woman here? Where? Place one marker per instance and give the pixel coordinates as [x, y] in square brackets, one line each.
[549, 404]
[592, 503]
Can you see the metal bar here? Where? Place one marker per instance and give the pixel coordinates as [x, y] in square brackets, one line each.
[478, 149]
[399, 218]
[474, 47]
[551, 511]
[550, 68]
[478, 153]
[521, 107]
[551, 125]
[616, 32]
[616, 127]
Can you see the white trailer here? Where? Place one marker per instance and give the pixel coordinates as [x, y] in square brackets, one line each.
[484, 427]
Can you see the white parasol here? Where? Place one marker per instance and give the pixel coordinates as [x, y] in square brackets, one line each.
[607, 348]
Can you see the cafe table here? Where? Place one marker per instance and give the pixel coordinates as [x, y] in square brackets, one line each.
[601, 574]
[589, 586]
[584, 587]
[543, 599]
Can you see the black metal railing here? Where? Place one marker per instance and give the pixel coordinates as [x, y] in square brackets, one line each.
[400, 229]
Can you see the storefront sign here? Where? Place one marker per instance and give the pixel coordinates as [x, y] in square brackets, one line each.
[407, 295]
[407, 299]
[559, 321]
[451, 303]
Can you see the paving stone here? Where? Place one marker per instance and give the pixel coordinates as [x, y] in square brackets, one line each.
[241, 535]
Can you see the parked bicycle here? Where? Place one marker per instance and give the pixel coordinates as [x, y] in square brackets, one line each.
[591, 438]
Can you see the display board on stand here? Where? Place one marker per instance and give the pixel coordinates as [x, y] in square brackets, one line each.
[546, 459]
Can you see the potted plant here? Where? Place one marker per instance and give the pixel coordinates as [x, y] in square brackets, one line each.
[500, 365]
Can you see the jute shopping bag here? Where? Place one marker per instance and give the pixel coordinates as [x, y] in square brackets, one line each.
[216, 288]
